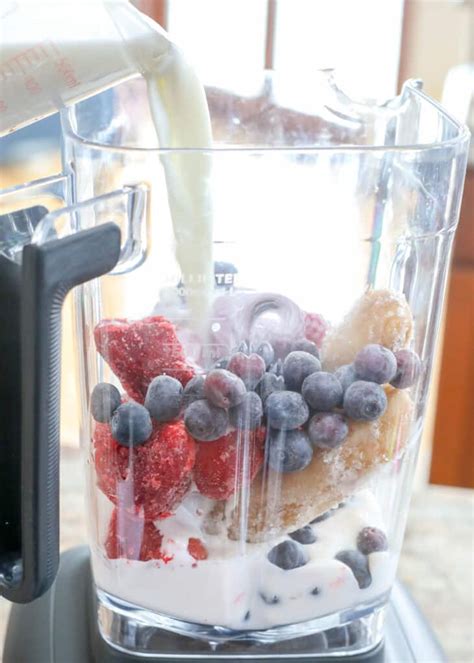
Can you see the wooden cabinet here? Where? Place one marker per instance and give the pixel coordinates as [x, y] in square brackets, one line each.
[453, 445]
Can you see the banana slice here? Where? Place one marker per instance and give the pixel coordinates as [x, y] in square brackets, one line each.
[280, 503]
[380, 316]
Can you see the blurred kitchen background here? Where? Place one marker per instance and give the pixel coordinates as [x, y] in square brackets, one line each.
[374, 45]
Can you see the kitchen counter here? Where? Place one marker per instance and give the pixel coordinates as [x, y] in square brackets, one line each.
[436, 563]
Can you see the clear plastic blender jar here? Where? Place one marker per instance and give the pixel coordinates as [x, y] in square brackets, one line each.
[249, 463]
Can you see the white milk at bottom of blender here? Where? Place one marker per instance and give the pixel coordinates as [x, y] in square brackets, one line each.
[227, 585]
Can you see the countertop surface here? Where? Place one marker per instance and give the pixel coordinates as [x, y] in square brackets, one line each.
[437, 561]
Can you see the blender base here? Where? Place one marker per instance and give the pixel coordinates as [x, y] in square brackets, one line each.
[62, 626]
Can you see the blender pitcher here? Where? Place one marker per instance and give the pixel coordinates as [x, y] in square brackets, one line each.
[249, 467]
[255, 346]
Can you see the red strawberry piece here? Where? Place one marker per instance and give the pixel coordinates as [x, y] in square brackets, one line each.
[152, 477]
[249, 368]
[315, 328]
[219, 468]
[141, 350]
[132, 537]
[197, 549]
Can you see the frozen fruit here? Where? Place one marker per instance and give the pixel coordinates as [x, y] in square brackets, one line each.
[266, 352]
[346, 375]
[371, 539]
[223, 388]
[105, 399]
[249, 368]
[247, 414]
[286, 410]
[222, 363]
[276, 368]
[222, 465]
[304, 535]
[243, 347]
[205, 422]
[111, 462]
[315, 327]
[305, 345]
[297, 366]
[131, 424]
[287, 555]
[365, 401]
[288, 451]
[193, 391]
[268, 384]
[323, 516]
[151, 478]
[322, 391]
[357, 562]
[163, 398]
[408, 369]
[197, 549]
[374, 363]
[131, 537]
[141, 350]
[162, 469]
[328, 430]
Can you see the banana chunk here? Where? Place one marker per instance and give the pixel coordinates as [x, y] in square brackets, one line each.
[280, 503]
[379, 316]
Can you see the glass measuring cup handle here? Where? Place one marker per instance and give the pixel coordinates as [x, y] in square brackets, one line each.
[48, 272]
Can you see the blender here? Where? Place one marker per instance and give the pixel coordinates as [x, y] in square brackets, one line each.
[256, 305]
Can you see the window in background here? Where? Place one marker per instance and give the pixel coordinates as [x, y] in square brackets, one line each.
[361, 39]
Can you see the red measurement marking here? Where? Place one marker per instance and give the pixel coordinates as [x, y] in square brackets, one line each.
[32, 85]
[65, 68]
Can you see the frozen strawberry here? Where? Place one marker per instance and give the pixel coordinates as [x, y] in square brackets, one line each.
[162, 469]
[315, 327]
[197, 549]
[138, 351]
[222, 464]
[131, 537]
[152, 477]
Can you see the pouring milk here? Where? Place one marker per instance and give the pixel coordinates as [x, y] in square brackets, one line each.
[57, 52]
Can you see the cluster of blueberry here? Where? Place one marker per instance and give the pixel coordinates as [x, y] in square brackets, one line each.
[291, 554]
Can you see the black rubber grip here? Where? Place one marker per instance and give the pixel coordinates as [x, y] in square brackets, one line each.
[28, 568]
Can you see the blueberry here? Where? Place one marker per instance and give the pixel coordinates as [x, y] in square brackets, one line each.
[371, 539]
[286, 410]
[287, 555]
[248, 414]
[276, 368]
[164, 397]
[346, 375]
[205, 422]
[322, 391]
[267, 353]
[328, 430]
[243, 347]
[357, 562]
[193, 391]
[304, 535]
[131, 424]
[297, 366]
[365, 401]
[269, 599]
[323, 516]
[250, 368]
[223, 388]
[374, 363]
[223, 362]
[268, 384]
[105, 399]
[288, 451]
[306, 345]
[408, 369]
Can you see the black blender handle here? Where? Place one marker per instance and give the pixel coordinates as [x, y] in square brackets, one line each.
[49, 271]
